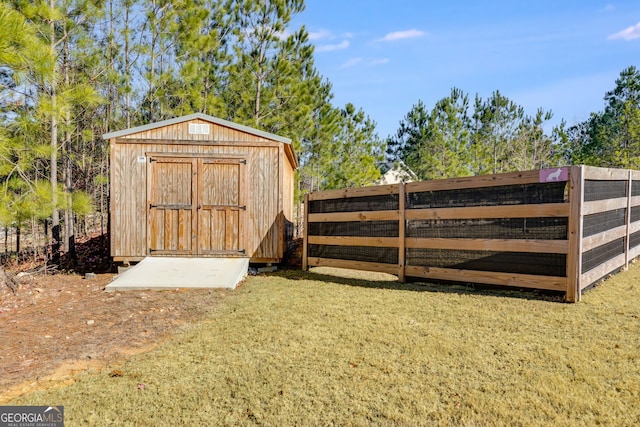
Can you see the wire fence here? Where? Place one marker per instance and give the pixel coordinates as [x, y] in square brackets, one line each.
[560, 229]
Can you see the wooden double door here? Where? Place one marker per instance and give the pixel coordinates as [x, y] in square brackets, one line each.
[196, 206]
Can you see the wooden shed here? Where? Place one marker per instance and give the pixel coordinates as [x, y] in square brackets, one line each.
[200, 186]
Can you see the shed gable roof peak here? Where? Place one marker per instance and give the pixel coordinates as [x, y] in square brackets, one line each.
[201, 116]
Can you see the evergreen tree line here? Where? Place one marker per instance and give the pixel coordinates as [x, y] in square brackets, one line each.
[610, 138]
[458, 137]
[72, 70]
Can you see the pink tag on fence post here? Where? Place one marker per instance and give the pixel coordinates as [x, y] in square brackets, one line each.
[552, 175]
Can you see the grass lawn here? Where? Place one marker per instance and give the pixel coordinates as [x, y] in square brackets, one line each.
[315, 348]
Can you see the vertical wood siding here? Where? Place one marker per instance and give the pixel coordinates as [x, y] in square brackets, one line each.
[222, 207]
[265, 189]
[171, 206]
[128, 202]
[180, 132]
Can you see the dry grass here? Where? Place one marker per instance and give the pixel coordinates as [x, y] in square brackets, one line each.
[317, 349]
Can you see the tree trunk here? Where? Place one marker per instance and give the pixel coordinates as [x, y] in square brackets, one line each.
[17, 240]
[47, 243]
[127, 68]
[152, 67]
[35, 234]
[69, 219]
[70, 242]
[55, 215]
[257, 109]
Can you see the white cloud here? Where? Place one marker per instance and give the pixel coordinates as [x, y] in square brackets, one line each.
[379, 61]
[332, 47]
[319, 35]
[351, 63]
[401, 35]
[370, 62]
[629, 33]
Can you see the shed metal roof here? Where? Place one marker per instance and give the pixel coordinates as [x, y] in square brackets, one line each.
[200, 116]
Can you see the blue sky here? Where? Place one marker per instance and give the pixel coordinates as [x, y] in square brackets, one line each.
[384, 56]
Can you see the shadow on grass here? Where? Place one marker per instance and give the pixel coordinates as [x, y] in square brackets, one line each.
[414, 285]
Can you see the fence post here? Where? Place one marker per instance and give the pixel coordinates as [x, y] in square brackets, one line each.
[305, 233]
[574, 257]
[628, 221]
[402, 223]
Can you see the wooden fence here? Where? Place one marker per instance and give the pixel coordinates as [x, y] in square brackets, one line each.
[556, 229]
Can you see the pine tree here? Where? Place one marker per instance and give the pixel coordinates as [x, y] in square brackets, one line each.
[411, 135]
[609, 138]
[263, 76]
[202, 31]
[495, 136]
[158, 48]
[23, 57]
[449, 132]
[435, 144]
[500, 120]
[316, 152]
[54, 94]
[531, 148]
[357, 151]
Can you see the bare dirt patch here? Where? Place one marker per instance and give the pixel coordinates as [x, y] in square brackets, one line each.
[56, 325]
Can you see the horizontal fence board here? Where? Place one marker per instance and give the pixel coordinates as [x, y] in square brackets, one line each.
[355, 216]
[587, 240]
[634, 253]
[354, 265]
[378, 190]
[598, 206]
[483, 212]
[514, 178]
[603, 238]
[385, 242]
[498, 245]
[592, 173]
[634, 227]
[601, 271]
[489, 278]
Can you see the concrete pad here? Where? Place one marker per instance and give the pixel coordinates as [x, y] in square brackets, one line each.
[173, 272]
